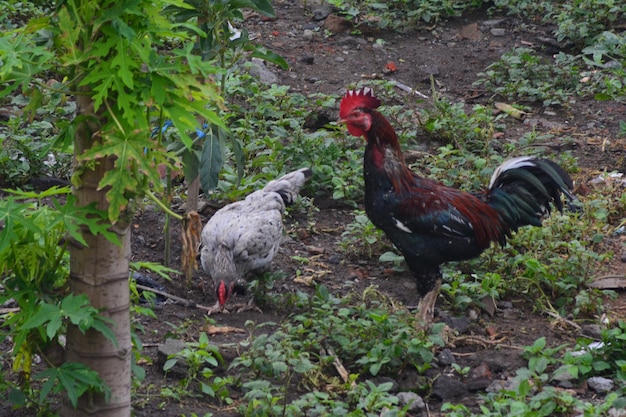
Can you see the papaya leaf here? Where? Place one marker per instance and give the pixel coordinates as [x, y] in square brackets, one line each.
[74, 217]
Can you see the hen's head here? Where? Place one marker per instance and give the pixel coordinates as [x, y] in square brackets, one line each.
[355, 110]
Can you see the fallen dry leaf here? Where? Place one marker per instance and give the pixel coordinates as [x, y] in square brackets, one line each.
[192, 227]
[510, 110]
[210, 329]
[306, 280]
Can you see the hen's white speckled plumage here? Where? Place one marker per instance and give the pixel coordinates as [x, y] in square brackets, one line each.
[245, 236]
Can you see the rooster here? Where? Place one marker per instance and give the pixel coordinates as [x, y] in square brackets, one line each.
[431, 223]
[243, 237]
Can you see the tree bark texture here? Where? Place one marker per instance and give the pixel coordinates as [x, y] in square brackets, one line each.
[100, 271]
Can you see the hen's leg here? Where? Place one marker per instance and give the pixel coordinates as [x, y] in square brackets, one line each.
[216, 309]
[426, 307]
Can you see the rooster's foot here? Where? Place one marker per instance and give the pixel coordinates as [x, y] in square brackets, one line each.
[426, 308]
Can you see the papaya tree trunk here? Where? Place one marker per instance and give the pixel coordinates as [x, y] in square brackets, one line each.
[100, 270]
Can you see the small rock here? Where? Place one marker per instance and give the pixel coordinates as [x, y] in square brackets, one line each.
[505, 305]
[499, 385]
[493, 22]
[259, 70]
[447, 388]
[480, 378]
[336, 24]
[414, 401]
[165, 350]
[460, 324]
[478, 384]
[593, 330]
[614, 412]
[322, 12]
[308, 59]
[600, 384]
[498, 32]
[481, 371]
[351, 42]
[410, 380]
[445, 358]
[563, 376]
[470, 32]
[496, 386]
[308, 35]
[426, 71]
[334, 259]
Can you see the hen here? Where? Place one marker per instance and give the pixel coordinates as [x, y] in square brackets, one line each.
[243, 237]
[431, 223]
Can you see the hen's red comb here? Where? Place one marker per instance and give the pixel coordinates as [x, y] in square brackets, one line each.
[354, 99]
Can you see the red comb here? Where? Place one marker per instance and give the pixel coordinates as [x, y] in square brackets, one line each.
[354, 99]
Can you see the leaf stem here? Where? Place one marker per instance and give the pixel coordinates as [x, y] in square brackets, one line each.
[163, 207]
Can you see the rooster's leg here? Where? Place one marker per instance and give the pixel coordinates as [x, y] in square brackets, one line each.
[426, 307]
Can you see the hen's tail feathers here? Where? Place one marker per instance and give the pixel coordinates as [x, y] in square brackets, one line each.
[521, 189]
[288, 186]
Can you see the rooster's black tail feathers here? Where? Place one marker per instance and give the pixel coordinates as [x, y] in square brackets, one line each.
[521, 189]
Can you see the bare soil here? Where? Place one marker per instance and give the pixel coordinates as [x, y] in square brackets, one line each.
[453, 52]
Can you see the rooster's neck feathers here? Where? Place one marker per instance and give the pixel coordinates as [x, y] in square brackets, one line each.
[384, 153]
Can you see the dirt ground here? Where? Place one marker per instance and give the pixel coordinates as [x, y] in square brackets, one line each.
[453, 52]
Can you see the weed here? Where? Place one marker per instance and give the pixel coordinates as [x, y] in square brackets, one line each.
[200, 357]
[401, 14]
[369, 336]
[522, 75]
[530, 392]
[449, 123]
[361, 238]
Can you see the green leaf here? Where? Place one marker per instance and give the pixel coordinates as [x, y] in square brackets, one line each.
[101, 82]
[169, 364]
[211, 161]
[262, 6]
[13, 214]
[48, 314]
[73, 378]
[279, 367]
[74, 218]
[125, 64]
[270, 56]
[191, 163]
[17, 397]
